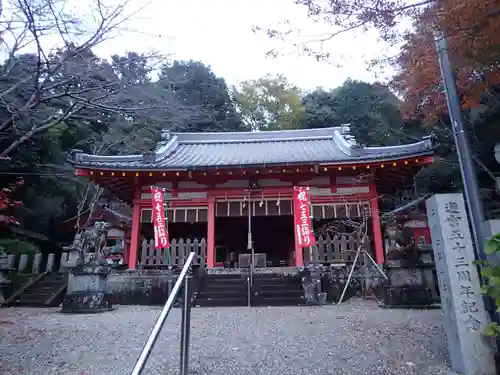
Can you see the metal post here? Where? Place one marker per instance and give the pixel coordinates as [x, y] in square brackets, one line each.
[250, 241]
[471, 189]
[148, 347]
[249, 291]
[350, 275]
[170, 280]
[185, 327]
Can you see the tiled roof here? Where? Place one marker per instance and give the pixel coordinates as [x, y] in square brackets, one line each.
[179, 151]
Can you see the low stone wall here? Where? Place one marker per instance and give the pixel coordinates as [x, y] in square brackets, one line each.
[139, 287]
[283, 271]
[150, 287]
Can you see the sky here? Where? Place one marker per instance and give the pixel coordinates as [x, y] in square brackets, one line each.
[219, 33]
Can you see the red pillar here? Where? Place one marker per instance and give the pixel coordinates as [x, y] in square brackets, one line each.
[377, 229]
[134, 237]
[211, 233]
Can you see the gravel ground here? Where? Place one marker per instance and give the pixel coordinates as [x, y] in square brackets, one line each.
[354, 338]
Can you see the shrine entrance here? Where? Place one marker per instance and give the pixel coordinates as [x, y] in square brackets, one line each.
[273, 236]
[271, 226]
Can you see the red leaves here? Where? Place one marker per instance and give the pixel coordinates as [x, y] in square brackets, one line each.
[472, 28]
[6, 202]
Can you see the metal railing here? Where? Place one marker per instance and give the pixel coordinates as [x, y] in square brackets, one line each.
[249, 292]
[185, 322]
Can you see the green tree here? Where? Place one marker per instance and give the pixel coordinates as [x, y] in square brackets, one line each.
[44, 88]
[196, 86]
[371, 110]
[269, 103]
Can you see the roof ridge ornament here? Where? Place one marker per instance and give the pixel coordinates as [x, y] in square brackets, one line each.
[166, 134]
[431, 140]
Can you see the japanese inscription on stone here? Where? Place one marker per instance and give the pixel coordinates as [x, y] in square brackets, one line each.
[461, 300]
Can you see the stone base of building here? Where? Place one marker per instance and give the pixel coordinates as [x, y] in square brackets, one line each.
[86, 303]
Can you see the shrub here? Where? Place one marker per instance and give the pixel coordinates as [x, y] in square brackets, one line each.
[491, 272]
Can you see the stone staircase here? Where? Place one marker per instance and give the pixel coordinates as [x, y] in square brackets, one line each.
[223, 290]
[267, 290]
[277, 290]
[46, 290]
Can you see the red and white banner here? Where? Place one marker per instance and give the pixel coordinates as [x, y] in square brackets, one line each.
[159, 223]
[302, 217]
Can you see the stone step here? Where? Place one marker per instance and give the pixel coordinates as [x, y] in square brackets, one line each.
[219, 287]
[34, 294]
[55, 276]
[224, 282]
[28, 303]
[277, 301]
[52, 280]
[220, 302]
[46, 287]
[275, 277]
[279, 293]
[225, 277]
[43, 289]
[38, 292]
[278, 285]
[224, 294]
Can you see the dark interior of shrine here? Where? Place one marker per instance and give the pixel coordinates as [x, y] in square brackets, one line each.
[178, 230]
[272, 235]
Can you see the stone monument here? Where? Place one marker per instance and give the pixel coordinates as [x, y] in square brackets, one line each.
[4, 270]
[87, 290]
[464, 315]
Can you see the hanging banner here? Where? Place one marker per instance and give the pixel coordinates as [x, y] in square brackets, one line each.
[159, 220]
[302, 217]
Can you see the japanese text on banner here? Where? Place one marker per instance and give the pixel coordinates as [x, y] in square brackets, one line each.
[158, 216]
[302, 217]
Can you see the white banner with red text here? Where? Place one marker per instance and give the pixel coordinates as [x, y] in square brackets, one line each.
[302, 217]
[159, 219]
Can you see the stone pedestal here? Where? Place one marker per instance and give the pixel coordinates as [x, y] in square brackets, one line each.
[405, 286]
[4, 271]
[4, 281]
[87, 291]
[311, 284]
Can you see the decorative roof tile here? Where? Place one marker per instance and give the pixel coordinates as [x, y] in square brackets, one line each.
[182, 151]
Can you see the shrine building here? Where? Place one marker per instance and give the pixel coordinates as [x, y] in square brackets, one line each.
[213, 179]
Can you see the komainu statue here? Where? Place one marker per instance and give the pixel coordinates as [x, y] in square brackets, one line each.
[88, 246]
[402, 245]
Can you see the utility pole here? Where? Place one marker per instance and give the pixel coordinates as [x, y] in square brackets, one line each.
[471, 190]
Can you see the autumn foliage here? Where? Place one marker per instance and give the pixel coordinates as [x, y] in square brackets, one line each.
[7, 202]
[472, 28]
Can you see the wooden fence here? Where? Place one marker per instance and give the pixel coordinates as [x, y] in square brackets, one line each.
[35, 263]
[179, 251]
[337, 248]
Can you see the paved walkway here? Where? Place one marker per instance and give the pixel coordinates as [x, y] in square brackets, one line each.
[354, 338]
